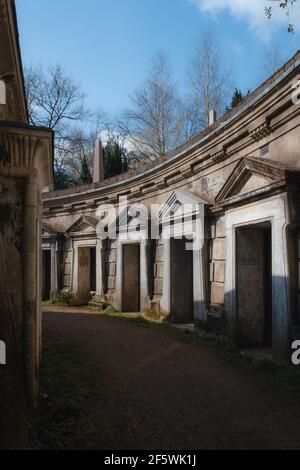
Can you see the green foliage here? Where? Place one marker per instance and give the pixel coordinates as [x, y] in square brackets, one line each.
[285, 5]
[62, 179]
[115, 159]
[62, 298]
[237, 98]
[110, 309]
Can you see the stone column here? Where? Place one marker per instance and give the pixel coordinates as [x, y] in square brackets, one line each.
[119, 277]
[144, 273]
[165, 301]
[75, 270]
[53, 270]
[199, 274]
[99, 270]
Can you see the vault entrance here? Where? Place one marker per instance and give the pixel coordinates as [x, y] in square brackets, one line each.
[46, 263]
[182, 299]
[86, 274]
[131, 278]
[254, 286]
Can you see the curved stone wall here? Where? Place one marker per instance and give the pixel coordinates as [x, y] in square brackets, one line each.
[247, 157]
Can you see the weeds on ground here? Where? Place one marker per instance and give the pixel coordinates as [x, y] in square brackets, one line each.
[61, 299]
[65, 383]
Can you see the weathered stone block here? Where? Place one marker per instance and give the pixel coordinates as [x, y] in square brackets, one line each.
[113, 255]
[112, 269]
[220, 228]
[158, 286]
[219, 249]
[111, 282]
[159, 253]
[67, 268]
[219, 272]
[217, 294]
[67, 280]
[159, 269]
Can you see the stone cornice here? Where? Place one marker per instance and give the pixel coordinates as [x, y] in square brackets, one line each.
[250, 123]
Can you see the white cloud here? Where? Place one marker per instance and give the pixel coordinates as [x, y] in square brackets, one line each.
[252, 11]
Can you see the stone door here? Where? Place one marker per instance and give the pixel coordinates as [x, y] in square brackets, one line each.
[181, 282]
[84, 276]
[254, 310]
[131, 278]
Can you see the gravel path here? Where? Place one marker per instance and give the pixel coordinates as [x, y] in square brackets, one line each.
[152, 391]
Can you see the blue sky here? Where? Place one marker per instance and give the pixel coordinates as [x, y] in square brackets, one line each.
[107, 45]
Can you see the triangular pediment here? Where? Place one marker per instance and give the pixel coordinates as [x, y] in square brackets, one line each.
[131, 218]
[178, 203]
[251, 176]
[84, 225]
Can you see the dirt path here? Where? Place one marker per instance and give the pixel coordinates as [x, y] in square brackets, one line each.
[150, 390]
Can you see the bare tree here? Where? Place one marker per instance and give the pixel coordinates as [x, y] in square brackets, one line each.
[152, 125]
[209, 85]
[75, 150]
[57, 102]
[54, 99]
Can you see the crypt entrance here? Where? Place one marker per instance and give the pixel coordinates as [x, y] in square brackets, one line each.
[46, 275]
[86, 273]
[131, 278]
[254, 286]
[181, 289]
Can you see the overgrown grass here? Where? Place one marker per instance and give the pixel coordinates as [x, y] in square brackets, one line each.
[65, 383]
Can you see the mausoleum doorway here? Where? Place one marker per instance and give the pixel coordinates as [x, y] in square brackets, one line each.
[254, 286]
[131, 277]
[46, 275]
[86, 274]
[182, 298]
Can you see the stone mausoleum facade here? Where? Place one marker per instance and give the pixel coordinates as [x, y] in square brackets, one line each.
[240, 177]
